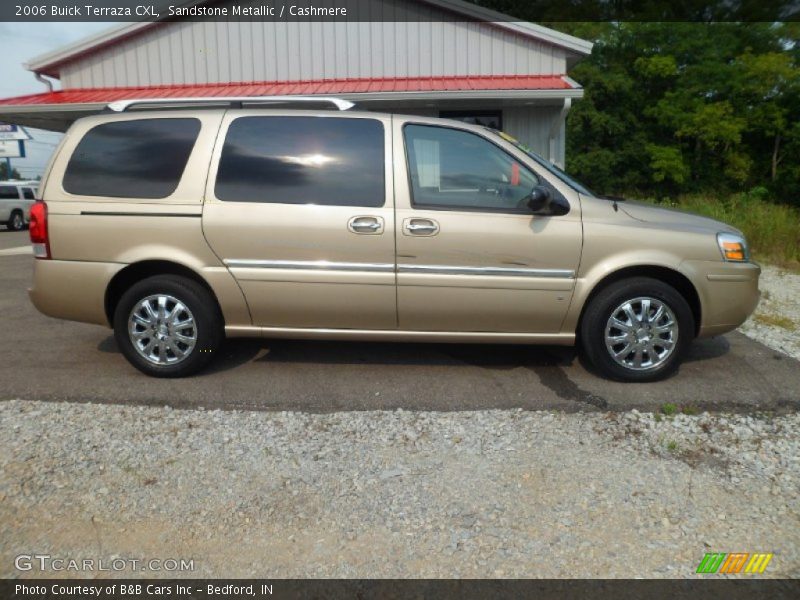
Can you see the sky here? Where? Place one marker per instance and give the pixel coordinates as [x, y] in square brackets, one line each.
[20, 42]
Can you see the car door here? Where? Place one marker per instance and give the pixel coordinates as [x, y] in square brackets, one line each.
[471, 256]
[300, 208]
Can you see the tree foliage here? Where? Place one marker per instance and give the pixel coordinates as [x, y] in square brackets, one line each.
[4, 175]
[687, 107]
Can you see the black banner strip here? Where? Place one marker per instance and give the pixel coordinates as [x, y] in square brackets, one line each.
[263, 589]
[539, 11]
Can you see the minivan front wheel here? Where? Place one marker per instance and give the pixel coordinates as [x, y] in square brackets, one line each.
[637, 329]
[168, 326]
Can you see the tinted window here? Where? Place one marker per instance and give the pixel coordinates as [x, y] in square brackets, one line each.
[28, 194]
[8, 191]
[132, 159]
[303, 160]
[458, 169]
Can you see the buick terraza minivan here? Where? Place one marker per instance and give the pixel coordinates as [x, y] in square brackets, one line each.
[179, 223]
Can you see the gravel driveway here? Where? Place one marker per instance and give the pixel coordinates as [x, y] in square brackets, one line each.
[505, 493]
[776, 322]
[482, 490]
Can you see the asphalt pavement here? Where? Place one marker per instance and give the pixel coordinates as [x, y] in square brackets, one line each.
[52, 360]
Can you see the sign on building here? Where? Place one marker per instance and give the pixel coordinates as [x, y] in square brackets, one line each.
[12, 148]
[12, 141]
[12, 132]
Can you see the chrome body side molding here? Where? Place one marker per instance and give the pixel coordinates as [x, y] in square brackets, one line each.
[495, 271]
[325, 265]
[317, 265]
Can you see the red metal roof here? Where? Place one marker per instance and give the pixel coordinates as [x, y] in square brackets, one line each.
[298, 88]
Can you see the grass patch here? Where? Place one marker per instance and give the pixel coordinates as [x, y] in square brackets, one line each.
[772, 230]
[775, 321]
[669, 409]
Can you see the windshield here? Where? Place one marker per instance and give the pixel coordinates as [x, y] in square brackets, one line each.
[550, 167]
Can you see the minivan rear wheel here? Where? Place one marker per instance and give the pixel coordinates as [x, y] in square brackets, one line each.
[168, 326]
[637, 329]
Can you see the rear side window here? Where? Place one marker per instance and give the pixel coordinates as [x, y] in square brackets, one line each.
[8, 191]
[144, 158]
[28, 194]
[303, 160]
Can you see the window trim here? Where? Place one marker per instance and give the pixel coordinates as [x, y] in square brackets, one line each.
[101, 197]
[222, 137]
[459, 208]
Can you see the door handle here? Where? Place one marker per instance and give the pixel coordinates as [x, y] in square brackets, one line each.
[421, 227]
[366, 225]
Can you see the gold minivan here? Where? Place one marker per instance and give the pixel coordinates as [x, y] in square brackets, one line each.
[181, 222]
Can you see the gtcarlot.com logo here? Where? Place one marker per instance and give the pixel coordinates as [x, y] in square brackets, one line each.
[47, 562]
[734, 562]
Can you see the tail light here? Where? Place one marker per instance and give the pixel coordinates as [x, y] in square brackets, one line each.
[38, 230]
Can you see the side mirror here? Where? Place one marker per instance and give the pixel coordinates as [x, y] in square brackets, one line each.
[539, 199]
[542, 201]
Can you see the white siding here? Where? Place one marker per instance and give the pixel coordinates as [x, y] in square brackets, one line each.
[208, 52]
[531, 126]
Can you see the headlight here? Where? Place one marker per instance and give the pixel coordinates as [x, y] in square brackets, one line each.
[733, 247]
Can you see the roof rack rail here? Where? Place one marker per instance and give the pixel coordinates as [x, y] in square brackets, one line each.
[229, 101]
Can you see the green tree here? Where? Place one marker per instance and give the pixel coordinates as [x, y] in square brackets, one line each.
[687, 107]
[4, 172]
[768, 90]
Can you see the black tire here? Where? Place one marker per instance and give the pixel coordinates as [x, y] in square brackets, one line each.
[593, 328]
[209, 332]
[16, 222]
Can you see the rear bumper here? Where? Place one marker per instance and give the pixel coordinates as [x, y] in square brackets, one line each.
[72, 290]
[728, 293]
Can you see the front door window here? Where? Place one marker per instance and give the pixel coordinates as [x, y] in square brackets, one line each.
[460, 170]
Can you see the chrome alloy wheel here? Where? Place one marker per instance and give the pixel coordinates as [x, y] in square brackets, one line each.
[641, 333]
[162, 329]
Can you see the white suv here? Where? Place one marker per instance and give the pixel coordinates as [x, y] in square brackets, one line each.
[16, 199]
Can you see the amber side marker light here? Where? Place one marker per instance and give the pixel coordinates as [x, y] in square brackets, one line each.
[733, 247]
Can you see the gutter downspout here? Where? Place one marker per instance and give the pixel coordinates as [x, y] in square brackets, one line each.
[47, 82]
[555, 130]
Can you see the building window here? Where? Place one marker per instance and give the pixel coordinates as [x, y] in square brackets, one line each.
[142, 158]
[303, 160]
[487, 118]
[457, 170]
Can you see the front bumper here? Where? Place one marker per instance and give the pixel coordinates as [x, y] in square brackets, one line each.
[728, 293]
